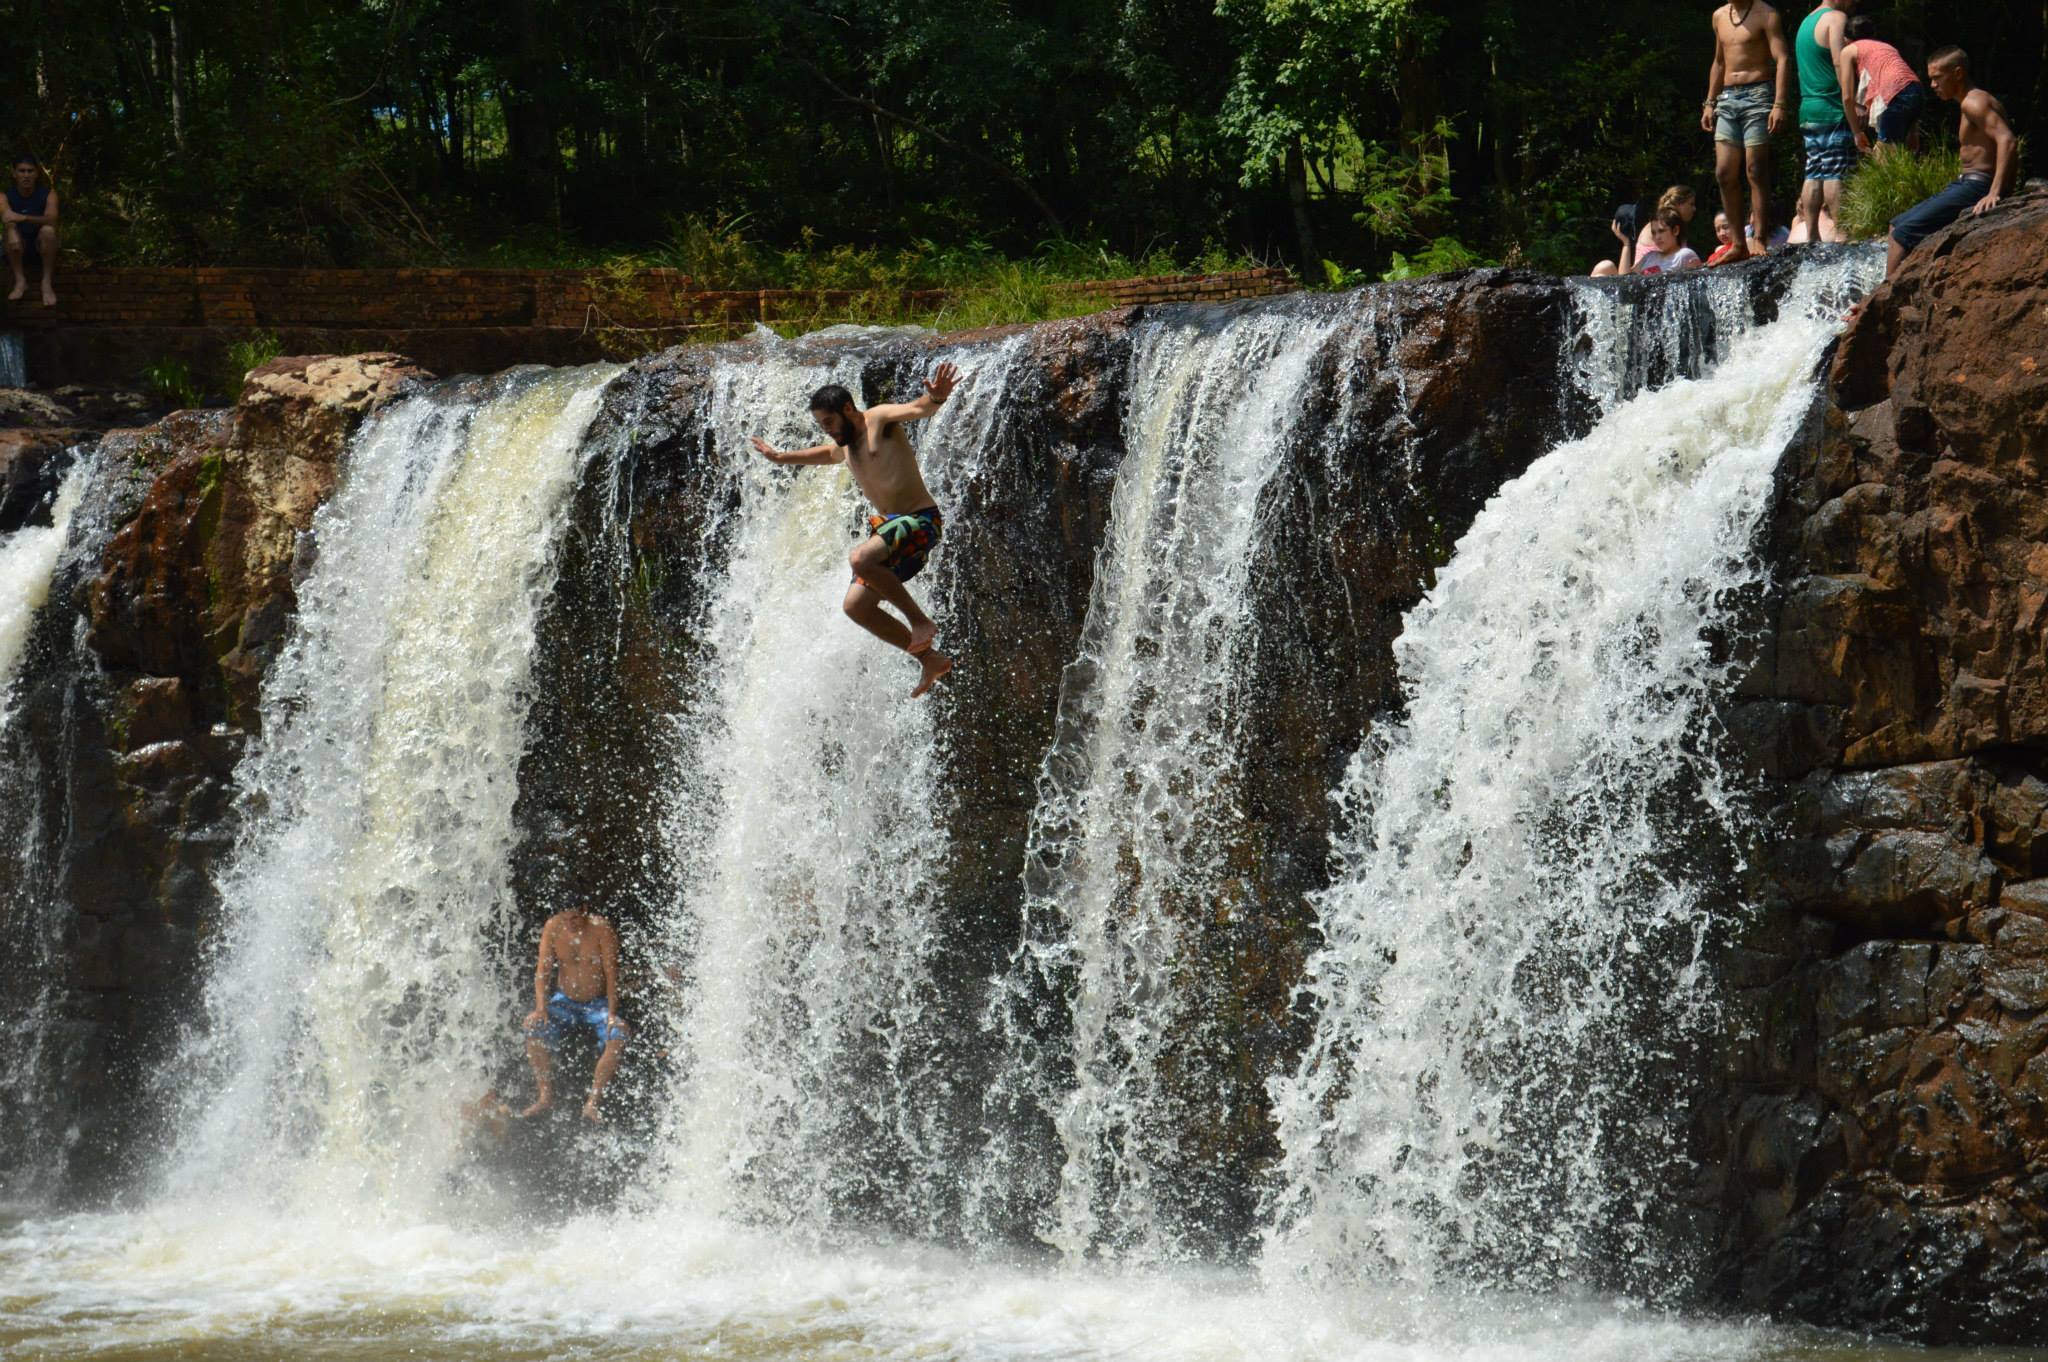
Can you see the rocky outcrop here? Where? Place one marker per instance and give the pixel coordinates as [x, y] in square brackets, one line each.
[1889, 1139]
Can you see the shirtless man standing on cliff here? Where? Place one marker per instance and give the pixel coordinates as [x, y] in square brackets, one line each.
[581, 951]
[907, 524]
[1749, 97]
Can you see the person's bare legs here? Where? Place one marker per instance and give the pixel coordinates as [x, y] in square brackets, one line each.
[863, 606]
[543, 1077]
[46, 243]
[14, 259]
[607, 1065]
[1831, 204]
[1728, 170]
[1893, 254]
[1758, 163]
[870, 559]
[1809, 208]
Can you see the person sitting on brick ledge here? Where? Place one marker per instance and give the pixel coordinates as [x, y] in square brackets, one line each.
[30, 215]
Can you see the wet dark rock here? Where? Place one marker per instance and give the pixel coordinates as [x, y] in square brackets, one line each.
[1898, 714]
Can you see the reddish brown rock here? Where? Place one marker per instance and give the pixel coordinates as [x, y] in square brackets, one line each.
[1905, 689]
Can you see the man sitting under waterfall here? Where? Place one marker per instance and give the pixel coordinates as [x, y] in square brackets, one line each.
[907, 524]
[581, 952]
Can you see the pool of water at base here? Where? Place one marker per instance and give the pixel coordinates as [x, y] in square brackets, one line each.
[220, 1285]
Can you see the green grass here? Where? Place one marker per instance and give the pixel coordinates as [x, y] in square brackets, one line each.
[1883, 187]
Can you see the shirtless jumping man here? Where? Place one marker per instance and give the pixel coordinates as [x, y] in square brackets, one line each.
[1988, 148]
[907, 525]
[1749, 98]
[582, 952]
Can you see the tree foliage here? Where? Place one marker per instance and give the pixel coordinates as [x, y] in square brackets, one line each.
[384, 131]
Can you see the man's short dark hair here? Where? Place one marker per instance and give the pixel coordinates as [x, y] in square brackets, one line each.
[27, 160]
[832, 397]
[1951, 56]
[1861, 27]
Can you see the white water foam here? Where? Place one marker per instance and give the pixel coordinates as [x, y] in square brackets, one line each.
[1512, 941]
[28, 558]
[357, 993]
[639, 1290]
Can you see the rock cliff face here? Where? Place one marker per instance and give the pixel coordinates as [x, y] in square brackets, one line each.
[1889, 1138]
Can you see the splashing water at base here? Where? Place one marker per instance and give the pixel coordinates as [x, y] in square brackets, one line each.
[1510, 975]
[134, 1289]
[356, 996]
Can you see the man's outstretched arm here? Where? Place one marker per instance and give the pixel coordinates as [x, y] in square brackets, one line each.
[815, 454]
[937, 389]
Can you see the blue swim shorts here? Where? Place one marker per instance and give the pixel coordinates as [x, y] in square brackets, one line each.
[1929, 216]
[565, 1014]
[1742, 115]
[1830, 150]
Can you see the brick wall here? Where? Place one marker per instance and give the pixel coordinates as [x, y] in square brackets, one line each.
[113, 321]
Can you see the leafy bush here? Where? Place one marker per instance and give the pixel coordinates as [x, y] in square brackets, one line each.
[1440, 255]
[170, 382]
[244, 355]
[1883, 187]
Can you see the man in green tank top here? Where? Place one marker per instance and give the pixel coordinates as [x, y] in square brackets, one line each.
[1828, 120]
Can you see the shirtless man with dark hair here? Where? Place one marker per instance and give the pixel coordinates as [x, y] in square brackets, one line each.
[581, 951]
[1749, 99]
[1988, 149]
[907, 523]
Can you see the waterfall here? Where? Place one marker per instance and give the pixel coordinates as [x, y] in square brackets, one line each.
[13, 361]
[1510, 973]
[33, 1055]
[358, 988]
[28, 557]
[1139, 792]
[811, 818]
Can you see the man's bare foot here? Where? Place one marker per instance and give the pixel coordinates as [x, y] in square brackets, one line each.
[20, 291]
[545, 1104]
[49, 296]
[590, 1112]
[922, 634]
[935, 664]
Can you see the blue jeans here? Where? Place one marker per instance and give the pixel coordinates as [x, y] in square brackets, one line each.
[1929, 216]
[1902, 115]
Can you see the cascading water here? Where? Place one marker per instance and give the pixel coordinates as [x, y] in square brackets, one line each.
[810, 812]
[357, 989]
[1512, 945]
[1129, 840]
[13, 361]
[365, 978]
[27, 558]
[29, 1060]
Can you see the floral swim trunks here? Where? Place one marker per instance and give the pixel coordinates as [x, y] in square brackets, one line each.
[1742, 115]
[910, 539]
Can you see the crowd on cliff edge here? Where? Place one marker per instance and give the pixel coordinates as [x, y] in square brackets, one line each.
[1856, 96]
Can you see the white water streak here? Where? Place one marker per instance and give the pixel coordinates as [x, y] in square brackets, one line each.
[1137, 798]
[28, 558]
[357, 993]
[1510, 955]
